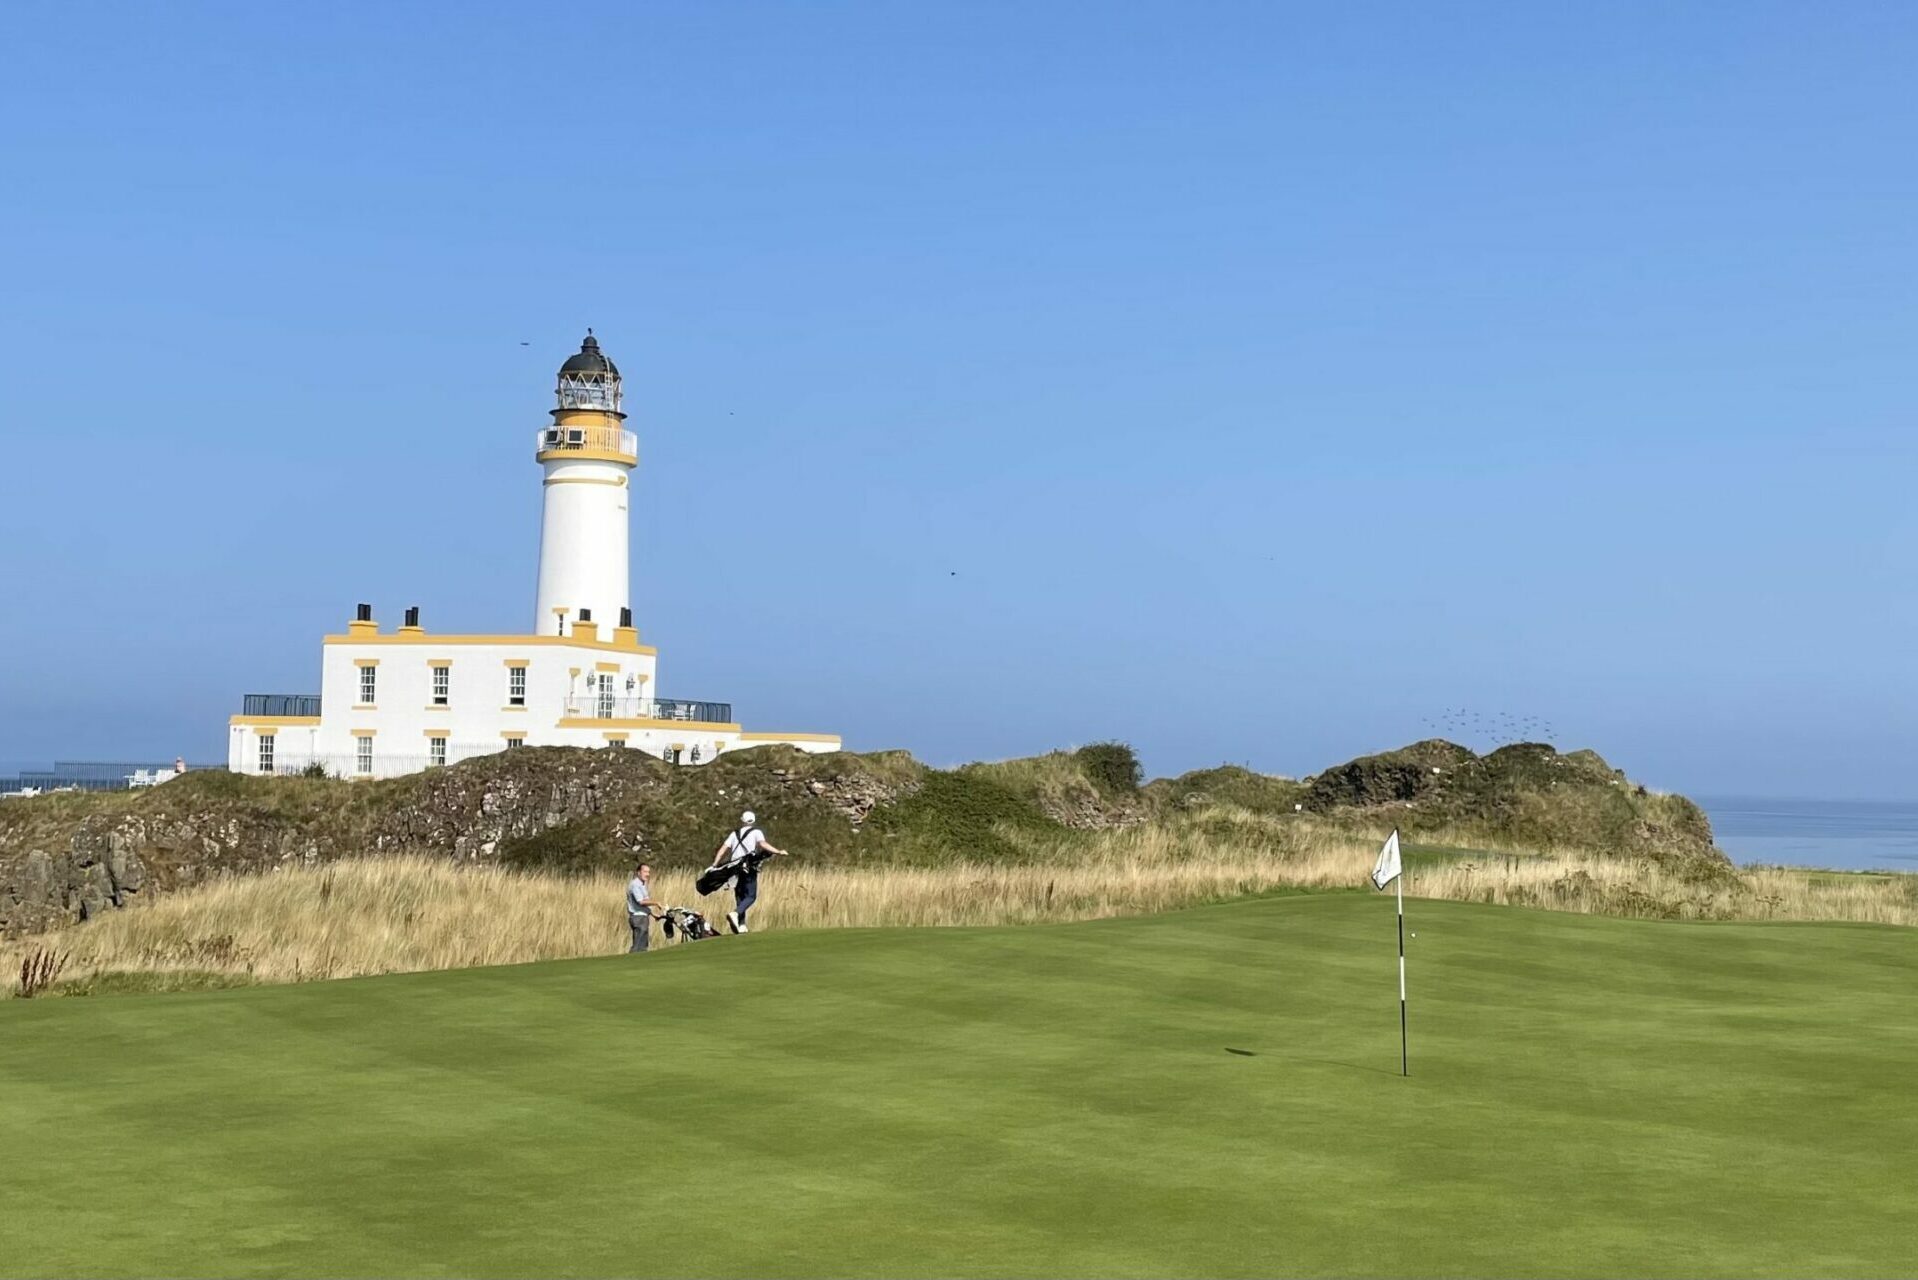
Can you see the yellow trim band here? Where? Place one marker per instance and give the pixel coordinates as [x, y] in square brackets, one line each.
[365, 733]
[789, 737]
[364, 662]
[606, 666]
[619, 483]
[518, 662]
[624, 722]
[587, 455]
[274, 722]
[513, 735]
[434, 733]
[605, 646]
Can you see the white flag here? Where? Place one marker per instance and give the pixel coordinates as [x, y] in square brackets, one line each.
[1388, 867]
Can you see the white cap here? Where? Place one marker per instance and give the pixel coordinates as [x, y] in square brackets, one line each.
[747, 818]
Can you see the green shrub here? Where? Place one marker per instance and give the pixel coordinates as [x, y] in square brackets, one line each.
[959, 815]
[1113, 767]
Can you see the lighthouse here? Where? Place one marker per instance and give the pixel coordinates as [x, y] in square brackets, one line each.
[393, 701]
[587, 457]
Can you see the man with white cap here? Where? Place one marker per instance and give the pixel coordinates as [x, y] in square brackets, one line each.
[749, 847]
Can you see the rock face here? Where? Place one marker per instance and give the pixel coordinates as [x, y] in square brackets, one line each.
[68, 858]
[1402, 775]
[1525, 792]
[94, 873]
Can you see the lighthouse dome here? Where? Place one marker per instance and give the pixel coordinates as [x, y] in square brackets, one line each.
[590, 359]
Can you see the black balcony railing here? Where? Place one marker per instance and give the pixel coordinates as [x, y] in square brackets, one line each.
[280, 704]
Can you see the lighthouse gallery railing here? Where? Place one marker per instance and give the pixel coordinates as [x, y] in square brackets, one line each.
[596, 438]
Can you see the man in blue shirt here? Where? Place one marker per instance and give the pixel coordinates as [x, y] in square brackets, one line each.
[640, 908]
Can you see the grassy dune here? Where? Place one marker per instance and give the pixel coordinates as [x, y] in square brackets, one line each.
[1200, 1092]
[391, 915]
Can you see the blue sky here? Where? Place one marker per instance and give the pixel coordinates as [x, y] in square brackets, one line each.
[1251, 382]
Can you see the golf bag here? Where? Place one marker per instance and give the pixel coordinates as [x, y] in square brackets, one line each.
[689, 925]
[713, 879]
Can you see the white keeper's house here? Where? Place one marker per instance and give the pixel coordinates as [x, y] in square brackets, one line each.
[391, 702]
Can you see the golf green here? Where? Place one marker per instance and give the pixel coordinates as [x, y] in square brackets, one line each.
[1211, 1092]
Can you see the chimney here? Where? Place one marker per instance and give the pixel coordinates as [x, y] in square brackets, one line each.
[625, 616]
[623, 635]
[585, 615]
[363, 624]
[413, 616]
[364, 613]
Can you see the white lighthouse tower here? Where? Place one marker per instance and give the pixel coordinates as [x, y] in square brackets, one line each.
[395, 701]
[588, 458]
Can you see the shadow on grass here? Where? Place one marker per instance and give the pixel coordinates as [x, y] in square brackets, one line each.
[1323, 1062]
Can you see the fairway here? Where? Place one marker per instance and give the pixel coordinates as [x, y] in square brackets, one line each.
[1211, 1092]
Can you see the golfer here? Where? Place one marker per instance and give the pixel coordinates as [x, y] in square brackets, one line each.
[749, 839]
[640, 907]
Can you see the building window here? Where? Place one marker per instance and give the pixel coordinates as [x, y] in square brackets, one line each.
[516, 686]
[266, 753]
[442, 684]
[605, 696]
[515, 742]
[367, 675]
[436, 751]
[670, 755]
[363, 753]
[617, 742]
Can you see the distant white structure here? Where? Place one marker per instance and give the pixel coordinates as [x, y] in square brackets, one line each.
[394, 702]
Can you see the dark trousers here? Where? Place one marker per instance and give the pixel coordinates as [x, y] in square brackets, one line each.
[745, 893]
[642, 932]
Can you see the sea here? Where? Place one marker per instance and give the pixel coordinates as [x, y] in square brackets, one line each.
[1845, 835]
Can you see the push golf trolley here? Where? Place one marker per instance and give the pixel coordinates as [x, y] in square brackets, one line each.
[688, 924]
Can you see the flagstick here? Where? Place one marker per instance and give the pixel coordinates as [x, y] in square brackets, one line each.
[1404, 1068]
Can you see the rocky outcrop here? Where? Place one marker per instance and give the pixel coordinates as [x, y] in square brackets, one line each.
[68, 858]
[91, 875]
[852, 795]
[1525, 793]
[1392, 776]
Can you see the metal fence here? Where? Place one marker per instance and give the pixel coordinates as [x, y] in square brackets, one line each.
[280, 704]
[387, 765]
[597, 438]
[608, 707]
[91, 775]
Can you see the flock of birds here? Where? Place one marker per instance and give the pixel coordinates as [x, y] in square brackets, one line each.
[1456, 723]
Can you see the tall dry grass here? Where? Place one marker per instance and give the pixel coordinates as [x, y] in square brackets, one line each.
[390, 915]
[393, 915]
[1623, 887]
